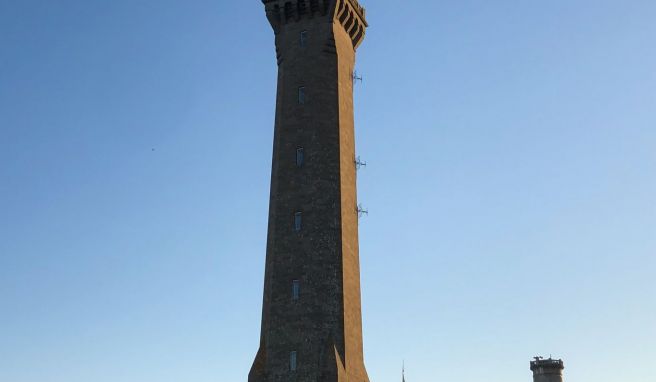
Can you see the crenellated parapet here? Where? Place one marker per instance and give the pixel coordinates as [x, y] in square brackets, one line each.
[352, 17]
[349, 13]
[359, 9]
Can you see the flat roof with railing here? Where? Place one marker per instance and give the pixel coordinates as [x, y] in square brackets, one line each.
[549, 363]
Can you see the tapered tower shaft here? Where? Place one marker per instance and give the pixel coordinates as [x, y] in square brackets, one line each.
[311, 316]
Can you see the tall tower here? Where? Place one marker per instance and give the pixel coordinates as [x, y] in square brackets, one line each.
[311, 315]
[547, 370]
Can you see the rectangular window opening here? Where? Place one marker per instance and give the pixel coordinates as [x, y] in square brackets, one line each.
[300, 157]
[296, 289]
[292, 361]
[303, 39]
[298, 221]
[301, 95]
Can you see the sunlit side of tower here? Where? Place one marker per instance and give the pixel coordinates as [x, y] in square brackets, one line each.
[311, 315]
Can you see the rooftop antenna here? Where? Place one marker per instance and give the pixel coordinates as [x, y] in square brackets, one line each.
[403, 372]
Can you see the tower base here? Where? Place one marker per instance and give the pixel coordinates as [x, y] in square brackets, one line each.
[332, 370]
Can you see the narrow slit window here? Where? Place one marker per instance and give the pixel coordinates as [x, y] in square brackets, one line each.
[298, 221]
[296, 289]
[304, 39]
[301, 95]
[292, 361]
[300, 157]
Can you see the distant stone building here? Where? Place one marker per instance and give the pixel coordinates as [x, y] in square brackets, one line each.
[547, 370]
[311, 315]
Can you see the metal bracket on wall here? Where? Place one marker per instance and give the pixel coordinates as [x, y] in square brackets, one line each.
[356, 77]
[362, 211]
[359, 163]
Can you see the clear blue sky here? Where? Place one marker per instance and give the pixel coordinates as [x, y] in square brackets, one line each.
[511, 188]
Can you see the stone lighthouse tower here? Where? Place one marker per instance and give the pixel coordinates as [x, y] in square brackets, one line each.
[547, 370]
[311, 316]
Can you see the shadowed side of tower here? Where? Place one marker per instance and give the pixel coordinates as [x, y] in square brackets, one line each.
[311, 315]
